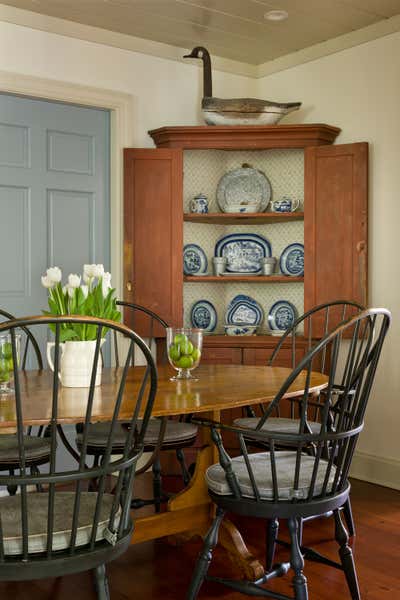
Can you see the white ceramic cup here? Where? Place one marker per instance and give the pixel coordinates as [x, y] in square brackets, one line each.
[219, 264]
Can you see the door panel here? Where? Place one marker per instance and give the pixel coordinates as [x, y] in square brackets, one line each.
[153, 233]
[335, 224]
[221, 356]
[54, 195]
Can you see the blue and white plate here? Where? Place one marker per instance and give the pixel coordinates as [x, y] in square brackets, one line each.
[291, 261]
[244, 310]
[243, 252]
[203, 315]
[194, 260]
[282, 315]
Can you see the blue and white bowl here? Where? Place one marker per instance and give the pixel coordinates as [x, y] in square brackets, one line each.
[240, 329]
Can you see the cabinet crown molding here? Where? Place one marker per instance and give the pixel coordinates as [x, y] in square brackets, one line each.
[244, 136]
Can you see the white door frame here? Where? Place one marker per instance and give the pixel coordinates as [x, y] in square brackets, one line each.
[120, 106]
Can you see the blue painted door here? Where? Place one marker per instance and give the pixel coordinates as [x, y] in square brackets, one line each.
[54, 195]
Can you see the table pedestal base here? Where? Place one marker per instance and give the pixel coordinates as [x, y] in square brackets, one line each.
[190, 513]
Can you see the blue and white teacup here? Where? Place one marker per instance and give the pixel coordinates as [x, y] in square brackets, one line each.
[199, 204]
[285, 204]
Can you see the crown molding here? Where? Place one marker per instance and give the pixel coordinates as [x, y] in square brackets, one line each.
[342, 42]
[33, 20]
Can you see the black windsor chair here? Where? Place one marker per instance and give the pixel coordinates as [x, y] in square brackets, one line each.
[321, 319]
[67, 529]
[294, 484]
[37, 447]
[162, 433]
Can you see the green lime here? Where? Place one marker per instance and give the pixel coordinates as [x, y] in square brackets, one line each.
[185, 362]
[6, 350]
[180, 338]
[196, 354]
[187, 347]
[174, 352]
[10, 364]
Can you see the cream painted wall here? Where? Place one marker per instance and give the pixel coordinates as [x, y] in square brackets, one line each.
[359, 90]
[165, 92]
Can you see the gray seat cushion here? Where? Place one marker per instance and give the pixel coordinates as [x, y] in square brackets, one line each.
[277, 424]
[36, 448]
[175, 432]
[10, 510]
[261, 466]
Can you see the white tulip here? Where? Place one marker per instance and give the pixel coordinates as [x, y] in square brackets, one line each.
[46, 282]
[54, 274]
[74, 281]
[106, 283]
[88, 272]
[85, 290]
[98, 271]
[70, 290]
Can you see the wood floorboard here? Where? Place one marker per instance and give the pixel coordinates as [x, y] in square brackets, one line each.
[157, 570]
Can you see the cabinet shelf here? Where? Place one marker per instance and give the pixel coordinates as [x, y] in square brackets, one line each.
[243, 218]
[245, 278]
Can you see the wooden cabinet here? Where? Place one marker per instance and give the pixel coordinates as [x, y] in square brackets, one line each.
[335, 222]
[153, 233]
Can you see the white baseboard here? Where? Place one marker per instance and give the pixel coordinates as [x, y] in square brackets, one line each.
[376, 469]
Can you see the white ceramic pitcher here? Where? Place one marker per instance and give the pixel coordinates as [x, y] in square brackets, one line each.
[76, 362]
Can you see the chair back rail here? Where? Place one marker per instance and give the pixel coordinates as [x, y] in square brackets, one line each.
[332, 446]
[150, 325]
[76, 480]
[330, 314]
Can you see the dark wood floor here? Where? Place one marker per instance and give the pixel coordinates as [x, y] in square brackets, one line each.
[161, 571]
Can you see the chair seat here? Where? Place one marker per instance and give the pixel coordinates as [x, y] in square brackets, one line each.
[10, 510]
[175, 433]
[277, 424]
[36, 449]
[261, 466]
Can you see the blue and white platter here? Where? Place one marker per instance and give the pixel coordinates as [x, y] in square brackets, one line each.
[194, 260]
[243, 190]
[203, 315]
[291, 261]
[244, 310]
[243, 252]
[282, 315]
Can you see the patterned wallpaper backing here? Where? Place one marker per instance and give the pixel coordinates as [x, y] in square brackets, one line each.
[202, 171]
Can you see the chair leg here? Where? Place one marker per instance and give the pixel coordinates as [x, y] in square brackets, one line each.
[270, 542]
[300, 530]
[203, 562]
[157, 492]
[297, 561]
[181, 459]
[101, 583]
[12, 489]
[346, 556]
[348, 517]
[35, 471]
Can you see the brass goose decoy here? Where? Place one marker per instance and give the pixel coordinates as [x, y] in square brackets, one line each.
[236, 111]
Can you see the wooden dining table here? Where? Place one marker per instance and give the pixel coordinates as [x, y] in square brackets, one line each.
[217, 388]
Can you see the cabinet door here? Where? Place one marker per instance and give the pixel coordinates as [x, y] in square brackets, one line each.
[153, 232]
[260, 356]
[221, 356]
[335, 224]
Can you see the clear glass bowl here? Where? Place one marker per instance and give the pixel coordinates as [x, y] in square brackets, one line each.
[7, 363]
[184, 351]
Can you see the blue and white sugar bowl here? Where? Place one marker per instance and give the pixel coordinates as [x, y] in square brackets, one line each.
[199, 204]
[285, 204]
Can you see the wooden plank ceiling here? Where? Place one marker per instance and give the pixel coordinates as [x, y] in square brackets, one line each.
[234, 29]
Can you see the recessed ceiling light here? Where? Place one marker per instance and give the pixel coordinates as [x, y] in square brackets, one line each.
[276, 15]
